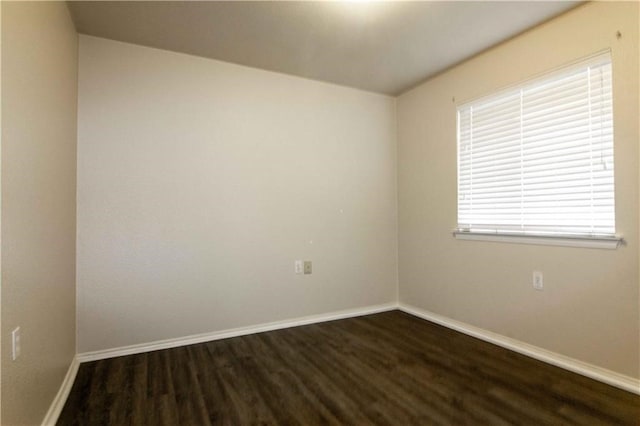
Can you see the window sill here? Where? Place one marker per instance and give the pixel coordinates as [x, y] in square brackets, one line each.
[598, 242]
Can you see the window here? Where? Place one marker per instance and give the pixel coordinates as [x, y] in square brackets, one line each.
[536, 161]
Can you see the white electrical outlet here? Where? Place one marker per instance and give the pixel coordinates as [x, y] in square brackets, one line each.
[297, 267]
[15, 343]
[538, 282]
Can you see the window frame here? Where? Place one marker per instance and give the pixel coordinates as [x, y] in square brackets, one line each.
[606, 241]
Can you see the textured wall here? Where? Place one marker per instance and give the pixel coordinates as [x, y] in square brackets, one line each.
[589, 307]
[39, 97]
[199, 184]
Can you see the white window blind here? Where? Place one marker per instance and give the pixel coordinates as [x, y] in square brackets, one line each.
[538, 159]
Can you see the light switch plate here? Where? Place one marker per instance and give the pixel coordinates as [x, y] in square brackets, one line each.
[15, 343]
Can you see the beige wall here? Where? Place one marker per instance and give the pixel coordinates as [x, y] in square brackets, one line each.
[199, 184]
[39, 96]
[589, 307]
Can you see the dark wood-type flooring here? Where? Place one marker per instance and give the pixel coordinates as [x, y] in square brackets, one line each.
[385, 369]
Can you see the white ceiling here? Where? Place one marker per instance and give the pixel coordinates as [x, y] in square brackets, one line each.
[386, 47]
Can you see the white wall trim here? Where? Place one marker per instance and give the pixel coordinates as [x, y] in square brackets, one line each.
[55, 409]
[225, 334]
[589, 370]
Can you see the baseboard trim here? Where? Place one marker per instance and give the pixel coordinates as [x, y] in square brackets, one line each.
[55, 409]
[589, 370]
[225, 334]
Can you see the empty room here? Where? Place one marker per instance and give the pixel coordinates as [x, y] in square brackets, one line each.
[320, 212]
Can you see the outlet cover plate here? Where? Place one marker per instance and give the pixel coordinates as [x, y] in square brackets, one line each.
[538, 282]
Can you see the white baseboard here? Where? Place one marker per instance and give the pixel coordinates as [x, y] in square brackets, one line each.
[589, 370]
[225, 334]
[55, 409]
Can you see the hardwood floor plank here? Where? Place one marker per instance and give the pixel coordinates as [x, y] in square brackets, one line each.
[247, 404]
[379, 375]
[367, 390]
[318, 380]
[190, 401]
[384, 369]
[291, 394]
